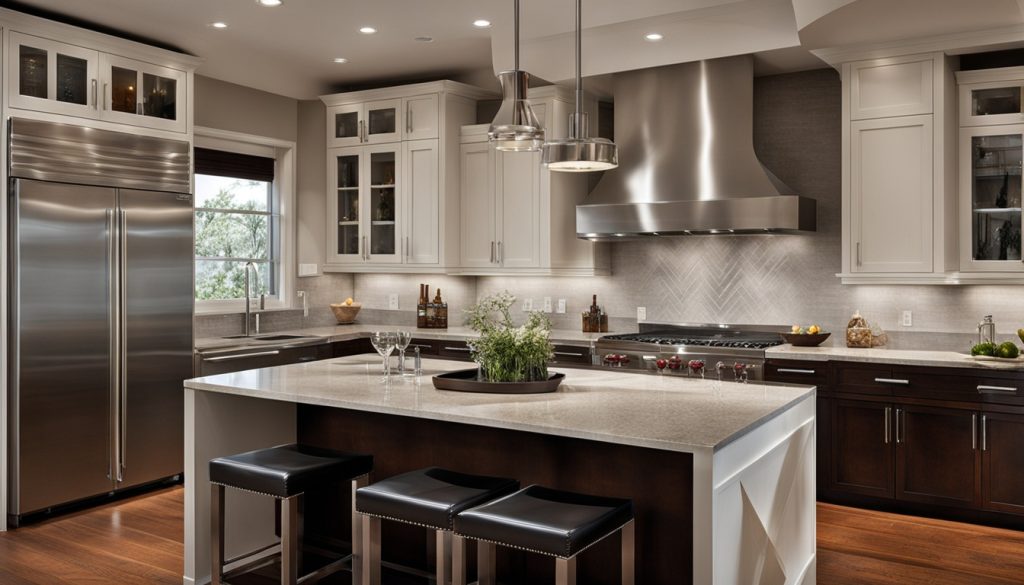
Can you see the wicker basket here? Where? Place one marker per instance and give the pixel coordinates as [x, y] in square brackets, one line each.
[345, 314]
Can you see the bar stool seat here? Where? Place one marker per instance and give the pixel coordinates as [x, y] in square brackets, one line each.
[284, 472]
[430, 498]
[551, 522]
[288, 470]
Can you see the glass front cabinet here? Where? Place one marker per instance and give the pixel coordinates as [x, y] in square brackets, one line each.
[58, 78]
[365, 211]
[991, 148]
[366, 123]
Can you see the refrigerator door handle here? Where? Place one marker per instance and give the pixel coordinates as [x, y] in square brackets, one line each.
[122, 389]
[115, 368]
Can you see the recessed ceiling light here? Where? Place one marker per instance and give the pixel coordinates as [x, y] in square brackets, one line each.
[653, 37]
[269, 2]
[367, 30]
[424, 39]
[340, 60]
[218, 24]
[482, 23]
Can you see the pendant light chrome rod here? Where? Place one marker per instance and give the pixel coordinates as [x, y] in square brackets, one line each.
[576, 127]
[516, 36]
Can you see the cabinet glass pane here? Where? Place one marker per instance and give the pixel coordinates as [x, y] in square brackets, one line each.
[348, 204]
[999, 100]
[382, 121]
[32, 71]
[123, 89]
[159, 97]
[996, 197]
[382, 203]
[72, 80]
[346, 125]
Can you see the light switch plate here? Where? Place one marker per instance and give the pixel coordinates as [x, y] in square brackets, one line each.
[393, 302]
[307, 269]
[547, 304]
[641, 313]
[527, 305]
[907, 318]
[561, 306]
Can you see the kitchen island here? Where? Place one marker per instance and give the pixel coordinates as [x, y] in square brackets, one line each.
[722, 474]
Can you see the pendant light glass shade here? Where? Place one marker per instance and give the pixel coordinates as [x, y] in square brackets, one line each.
[579, 153]
[515, 126]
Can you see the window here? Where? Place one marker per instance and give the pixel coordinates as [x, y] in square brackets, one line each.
[239, 202]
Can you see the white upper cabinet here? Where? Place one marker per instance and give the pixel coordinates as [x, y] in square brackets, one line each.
[518, 195]
[991, 96]
[59, 78]
[900, 86]
[478, 206]
[405, 218]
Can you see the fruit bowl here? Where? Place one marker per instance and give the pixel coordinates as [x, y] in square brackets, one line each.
[345, 313]
[805, 339]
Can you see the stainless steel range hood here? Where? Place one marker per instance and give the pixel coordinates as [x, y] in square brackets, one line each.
[687, 164]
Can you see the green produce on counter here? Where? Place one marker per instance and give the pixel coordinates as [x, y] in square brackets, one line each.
[986, 348]
[1007, 350]
[1020, 333]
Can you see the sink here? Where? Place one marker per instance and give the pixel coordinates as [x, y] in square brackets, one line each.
[283, 337]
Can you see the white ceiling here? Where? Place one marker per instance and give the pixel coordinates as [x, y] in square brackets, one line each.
[289, 49]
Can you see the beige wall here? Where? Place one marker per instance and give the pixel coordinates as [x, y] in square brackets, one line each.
[312, 184]
[227, 106]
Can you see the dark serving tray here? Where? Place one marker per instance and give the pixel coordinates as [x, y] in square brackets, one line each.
[465, 381]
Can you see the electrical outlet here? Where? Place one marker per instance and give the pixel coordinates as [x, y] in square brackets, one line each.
[641, 313]
[561, 306]
[907, 318]
[547, 304]
[393, 302]
[527, 305]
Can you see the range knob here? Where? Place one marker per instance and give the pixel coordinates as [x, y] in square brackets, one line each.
[696, 367]
[675, 362]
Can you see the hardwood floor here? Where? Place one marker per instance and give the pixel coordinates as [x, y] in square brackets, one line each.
[139, 541]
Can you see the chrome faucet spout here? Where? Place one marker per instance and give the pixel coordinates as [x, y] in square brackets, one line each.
[248, 296]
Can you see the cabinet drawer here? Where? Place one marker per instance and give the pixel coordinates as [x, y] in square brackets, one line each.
[456, 350]
[797, 372]
[256, 357]
[968, 387]
[868, 379]
[427, 346]
[571, 354]
[352, 347]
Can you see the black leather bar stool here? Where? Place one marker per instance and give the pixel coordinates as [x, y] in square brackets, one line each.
[430, 498]
[550, 522]
[285, 472]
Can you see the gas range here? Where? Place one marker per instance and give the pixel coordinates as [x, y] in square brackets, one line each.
[724, 352]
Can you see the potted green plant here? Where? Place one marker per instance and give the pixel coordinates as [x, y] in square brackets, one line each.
[505, 352]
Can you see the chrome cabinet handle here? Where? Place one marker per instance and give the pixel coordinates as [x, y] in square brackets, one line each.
[901, 429]
[422, 346]
[974, 431]
[492, 252]
[95, 96]
[892, 381]
[462, 349]
[858, 254]
[982, 389]
[115, 331]
[795, 371]
[569, 354]
[241, 356]
[361, 125]
[984, 432]
[408, 120]
[888, 424]
[103, 101]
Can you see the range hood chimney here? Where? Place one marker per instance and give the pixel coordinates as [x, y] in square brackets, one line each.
[687, 164]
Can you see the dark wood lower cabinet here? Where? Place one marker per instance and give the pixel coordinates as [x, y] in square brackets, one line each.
[1002, 438]
[861, 448]
[937, 456]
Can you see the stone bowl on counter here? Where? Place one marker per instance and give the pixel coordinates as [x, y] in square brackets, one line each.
[345, 314]
[805, 339]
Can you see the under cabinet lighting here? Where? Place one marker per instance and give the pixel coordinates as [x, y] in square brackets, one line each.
[367, 30]
[269, 2]
[218, 24]
[340, 60]
[653, 37]
[482, 23]
[424, 39]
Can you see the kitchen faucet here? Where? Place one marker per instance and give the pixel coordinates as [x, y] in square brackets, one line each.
[248, 298]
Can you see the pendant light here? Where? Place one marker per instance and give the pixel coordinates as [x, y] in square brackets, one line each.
[578, 153]
[515, 127]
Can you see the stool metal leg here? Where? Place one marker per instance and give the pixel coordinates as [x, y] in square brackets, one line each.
[371, 550]
[565, 571]
[357, 532]
[486, 563]
[290, 540]
[217, 533]
[458, 560]
[443, 562]
[628, 553]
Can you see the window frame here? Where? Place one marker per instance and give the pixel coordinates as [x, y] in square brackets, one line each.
[283, 193]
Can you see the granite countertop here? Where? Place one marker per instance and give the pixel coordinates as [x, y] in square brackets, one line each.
[881, 355]
[357, 330]
[659, 412]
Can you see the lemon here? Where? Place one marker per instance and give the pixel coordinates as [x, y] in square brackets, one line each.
[349, 301]
[795, 329]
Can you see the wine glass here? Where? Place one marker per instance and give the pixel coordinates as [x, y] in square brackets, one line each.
[384, 343]
[402, 339]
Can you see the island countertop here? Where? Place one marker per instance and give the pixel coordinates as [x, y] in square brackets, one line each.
[659, 412]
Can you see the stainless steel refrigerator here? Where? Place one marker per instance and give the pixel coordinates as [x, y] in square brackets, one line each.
[101, 304]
